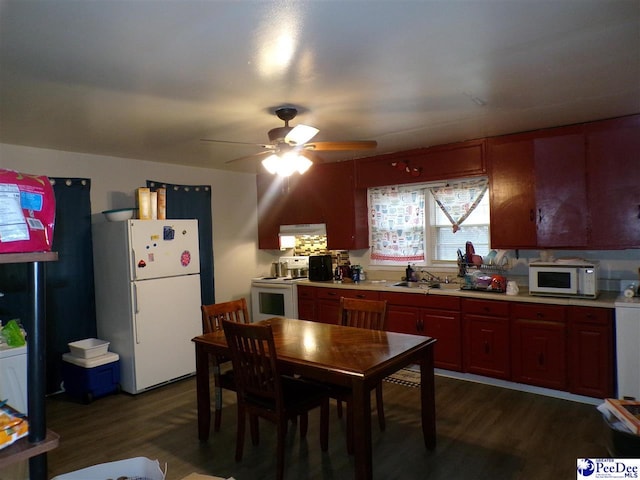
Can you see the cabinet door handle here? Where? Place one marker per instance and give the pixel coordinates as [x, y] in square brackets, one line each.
[487, 348]
[532, 215]
[539, 215]
[638, 210]
[332, 294]
[540, 315]
[541, 359]
[360, 296]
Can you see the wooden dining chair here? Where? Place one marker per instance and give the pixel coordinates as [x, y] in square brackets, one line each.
[212, 316]
[360, 313]
[262, 390]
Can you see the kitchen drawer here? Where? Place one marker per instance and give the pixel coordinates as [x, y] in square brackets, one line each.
[306, 292]
[485, 307]
[404, 299]
[547, 313]
[442, 302]
[336, 293]
[592, 315]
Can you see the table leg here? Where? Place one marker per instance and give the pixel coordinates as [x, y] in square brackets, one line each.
[203, 394]
[428, 399]
[362, 431]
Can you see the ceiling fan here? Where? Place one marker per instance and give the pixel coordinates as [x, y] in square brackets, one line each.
[294, 143]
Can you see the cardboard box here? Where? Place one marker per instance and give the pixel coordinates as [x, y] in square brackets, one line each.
[139, 467]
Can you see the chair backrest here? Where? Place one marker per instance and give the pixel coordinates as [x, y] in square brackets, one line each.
[213, 314]
[356, 312]
[253, 355]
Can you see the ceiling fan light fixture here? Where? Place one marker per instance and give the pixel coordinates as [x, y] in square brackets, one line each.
[286, 164]
[303, 164]
[271, 163]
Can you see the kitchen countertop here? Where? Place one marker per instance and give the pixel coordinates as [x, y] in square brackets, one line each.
[606, 299]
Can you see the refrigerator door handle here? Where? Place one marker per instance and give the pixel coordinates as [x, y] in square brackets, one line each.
[133, 264]
[135, 312]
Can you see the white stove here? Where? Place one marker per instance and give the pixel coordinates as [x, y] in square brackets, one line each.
[277, 296]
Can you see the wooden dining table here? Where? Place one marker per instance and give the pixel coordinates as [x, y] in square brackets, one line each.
[356, 358]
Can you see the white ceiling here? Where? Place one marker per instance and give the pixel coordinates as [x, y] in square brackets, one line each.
[148, 79]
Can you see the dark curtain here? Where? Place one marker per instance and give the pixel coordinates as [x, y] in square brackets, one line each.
[194, 201]
[70, 300]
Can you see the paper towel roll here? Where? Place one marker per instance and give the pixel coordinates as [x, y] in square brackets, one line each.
[628, 292]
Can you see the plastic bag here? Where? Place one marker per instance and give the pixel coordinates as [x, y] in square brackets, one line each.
[13, 334]
[27, 212]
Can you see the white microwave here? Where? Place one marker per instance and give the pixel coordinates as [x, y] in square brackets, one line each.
[564, 278]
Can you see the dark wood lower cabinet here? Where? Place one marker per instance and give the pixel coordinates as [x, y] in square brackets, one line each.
[565, 348]
[591, 352]
[487, 346]
[321, 304]
[436, 317]
[486, 338]
[539, 341]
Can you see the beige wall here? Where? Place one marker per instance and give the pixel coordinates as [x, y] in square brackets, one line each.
[114, 180]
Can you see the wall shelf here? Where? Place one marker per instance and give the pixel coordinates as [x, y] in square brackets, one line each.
[40, 440]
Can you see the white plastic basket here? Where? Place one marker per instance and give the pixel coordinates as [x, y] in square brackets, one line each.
[89, 348]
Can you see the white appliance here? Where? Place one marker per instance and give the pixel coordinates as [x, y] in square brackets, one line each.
[147, 279]
[627, 342]
[13, 377]
[277, 296]
[571, 277]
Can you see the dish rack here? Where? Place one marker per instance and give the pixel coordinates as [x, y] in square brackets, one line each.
[470, 283]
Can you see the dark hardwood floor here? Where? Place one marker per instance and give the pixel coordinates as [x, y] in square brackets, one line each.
[484, 432]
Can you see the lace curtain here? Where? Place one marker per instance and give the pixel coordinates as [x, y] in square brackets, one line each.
[458, 200]
[397, 224]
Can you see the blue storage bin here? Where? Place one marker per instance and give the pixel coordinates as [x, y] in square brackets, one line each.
[90, 378]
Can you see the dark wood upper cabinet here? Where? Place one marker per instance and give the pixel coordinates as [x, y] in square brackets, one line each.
[613, 173]
[562, 212]
[344, 206]
[567, 187]
[324, 194]
[444, 162]
[512, 195]
[538, 184]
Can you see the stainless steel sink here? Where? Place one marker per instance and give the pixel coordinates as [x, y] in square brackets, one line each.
[428, 285]
[406, 284]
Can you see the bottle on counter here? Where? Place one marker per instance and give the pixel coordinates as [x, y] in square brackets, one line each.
[408, 273]
[355, 273]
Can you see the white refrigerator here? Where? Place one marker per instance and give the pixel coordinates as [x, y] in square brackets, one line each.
[147, 283]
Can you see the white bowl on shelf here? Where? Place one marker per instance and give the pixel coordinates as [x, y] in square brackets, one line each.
[120, 214]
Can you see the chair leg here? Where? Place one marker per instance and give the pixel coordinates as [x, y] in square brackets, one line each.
[380, 406]
[217, 419]
[304, 424]
[324, 425]
[350, 429]
[255, 430]
[218, 398]
[240, 432]
[282, 426]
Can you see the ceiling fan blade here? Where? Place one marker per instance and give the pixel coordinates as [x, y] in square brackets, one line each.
[353, 145]
[263, 145]
[311, 156]
[300, 134]
[249, 157]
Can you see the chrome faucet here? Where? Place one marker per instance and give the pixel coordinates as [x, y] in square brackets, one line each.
[431, 276]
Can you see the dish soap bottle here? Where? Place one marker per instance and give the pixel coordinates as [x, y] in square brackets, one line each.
[409, 273]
